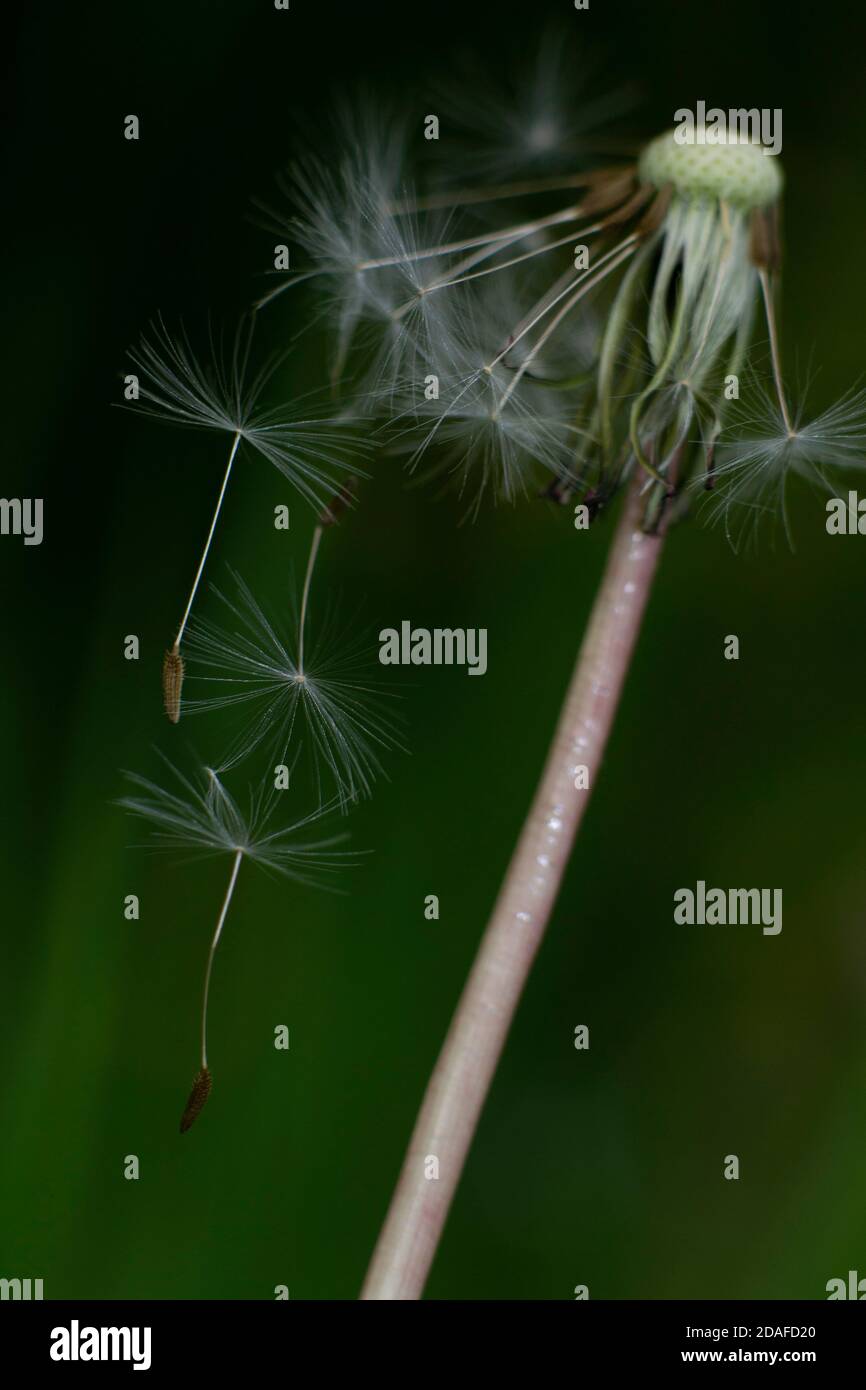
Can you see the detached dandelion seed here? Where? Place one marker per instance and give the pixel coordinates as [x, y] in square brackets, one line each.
[278, 677]
[307, 451]
[201, 1089]
[760, 452]
[202, 815]
[172, 682]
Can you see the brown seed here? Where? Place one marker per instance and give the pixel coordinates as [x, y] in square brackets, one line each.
[197, 1097]
[172, 681]
[765, 246]
[342, 498]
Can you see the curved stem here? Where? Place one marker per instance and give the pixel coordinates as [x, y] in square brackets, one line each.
[239, 854]
[305, 597]
[464, 1071]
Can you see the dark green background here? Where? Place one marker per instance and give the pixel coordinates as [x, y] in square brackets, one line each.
[603, 1167]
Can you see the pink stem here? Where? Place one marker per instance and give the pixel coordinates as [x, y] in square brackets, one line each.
[466, 1065]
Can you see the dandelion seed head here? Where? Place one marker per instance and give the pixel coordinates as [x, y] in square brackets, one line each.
[311, 452]
[757, 455]
[249, 663]
[199, 813]
[491, 372]
[732, 167]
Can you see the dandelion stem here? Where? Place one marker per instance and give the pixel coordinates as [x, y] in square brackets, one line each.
[774, 349]
[239, 854]
[314, 550]
[466, 1065]
[235, 442]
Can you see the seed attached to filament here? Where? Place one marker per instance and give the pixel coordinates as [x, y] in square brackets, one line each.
[172, 681]
[197, 1098]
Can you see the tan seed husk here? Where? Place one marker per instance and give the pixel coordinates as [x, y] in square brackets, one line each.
[765, 245]
[172, 682]
[201, 1088]
[342, 498]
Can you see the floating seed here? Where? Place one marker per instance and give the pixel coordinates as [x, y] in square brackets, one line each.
[342, 498]
[764, 243]
[172, 681]
[197, 1098]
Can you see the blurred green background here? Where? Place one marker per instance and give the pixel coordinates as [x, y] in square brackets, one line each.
[603, 1167]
